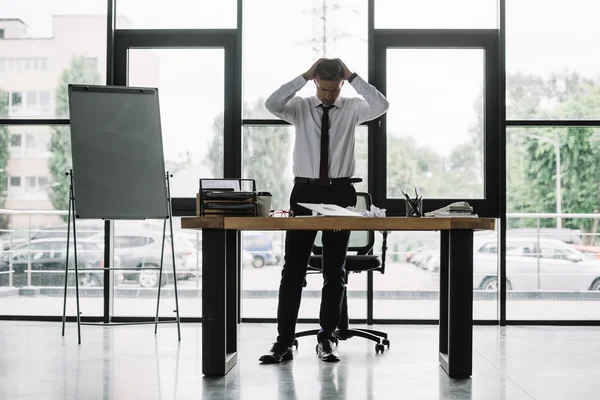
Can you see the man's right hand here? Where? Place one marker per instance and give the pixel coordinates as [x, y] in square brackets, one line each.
[310, 74]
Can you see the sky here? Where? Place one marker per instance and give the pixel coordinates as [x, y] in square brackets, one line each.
[542, 36]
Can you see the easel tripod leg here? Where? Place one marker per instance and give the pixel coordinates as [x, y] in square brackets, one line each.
[162, 254]
[170, 210]
[64, 316]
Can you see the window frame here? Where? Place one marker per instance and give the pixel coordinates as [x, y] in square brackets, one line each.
[484, 39]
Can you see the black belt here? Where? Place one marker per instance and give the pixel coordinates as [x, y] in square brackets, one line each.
[330, 181]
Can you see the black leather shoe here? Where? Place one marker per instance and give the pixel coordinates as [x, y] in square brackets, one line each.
[279, 352]
[327, 352]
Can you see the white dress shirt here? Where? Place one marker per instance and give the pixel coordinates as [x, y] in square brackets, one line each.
[305, 114]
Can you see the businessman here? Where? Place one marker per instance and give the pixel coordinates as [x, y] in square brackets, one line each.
[323, 165]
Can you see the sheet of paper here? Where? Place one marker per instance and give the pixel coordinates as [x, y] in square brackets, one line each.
[330, 210]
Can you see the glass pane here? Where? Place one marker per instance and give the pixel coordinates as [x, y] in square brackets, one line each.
[33, 257]
[47, 157]
[137, 247]
[435, 122]
[177, 14]
[553, 271]
[552, 71]
[33, 227]
[320, 29]
[43, 50]
[410, 288]
[267, 158]
[191, 87]
[436, 14]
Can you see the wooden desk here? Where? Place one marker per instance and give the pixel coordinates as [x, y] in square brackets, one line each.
[220, 285]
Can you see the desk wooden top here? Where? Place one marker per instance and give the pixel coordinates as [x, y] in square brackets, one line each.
[341, 223]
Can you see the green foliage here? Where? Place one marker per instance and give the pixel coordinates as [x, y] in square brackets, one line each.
[411, 166]
[266, 152]
[4, 155]
[531, 154]
[60, 142]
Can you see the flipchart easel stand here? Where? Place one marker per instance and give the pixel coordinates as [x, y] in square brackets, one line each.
[72, 215]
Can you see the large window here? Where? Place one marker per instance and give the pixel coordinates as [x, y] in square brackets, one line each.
[437, 140]
[435, 124]
[191, 88]
[298, 33]
[552, 267]
[33, 230]
[552, 190]
[33, 259]
[552, 70]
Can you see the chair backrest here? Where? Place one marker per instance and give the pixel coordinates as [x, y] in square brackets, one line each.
[360, 242]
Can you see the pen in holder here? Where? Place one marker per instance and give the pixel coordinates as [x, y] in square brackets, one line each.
[414, 207]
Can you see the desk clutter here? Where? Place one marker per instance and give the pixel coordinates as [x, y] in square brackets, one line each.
[227, 197]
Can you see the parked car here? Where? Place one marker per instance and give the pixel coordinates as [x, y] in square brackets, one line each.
[85, 228]
[551, 265]
[141, 250]
[48, 257]
[422, 256]
[570, 236]
[261, 246]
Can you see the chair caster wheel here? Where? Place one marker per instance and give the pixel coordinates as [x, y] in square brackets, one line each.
[379, 348]
[386, 342]
[295, 344]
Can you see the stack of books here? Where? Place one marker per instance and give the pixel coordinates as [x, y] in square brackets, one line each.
[457, 209]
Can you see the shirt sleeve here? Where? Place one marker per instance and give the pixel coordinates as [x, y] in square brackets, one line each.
[283, 103]
[374, 103]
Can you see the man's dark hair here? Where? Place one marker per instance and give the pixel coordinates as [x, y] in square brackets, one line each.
[330, 70]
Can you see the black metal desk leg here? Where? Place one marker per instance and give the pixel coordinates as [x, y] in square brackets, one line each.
[215, 359]
[444, 259]
[458, 361]
[232, 310]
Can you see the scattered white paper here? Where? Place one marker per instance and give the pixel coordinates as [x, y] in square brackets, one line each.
[330, 210]
[373, 212]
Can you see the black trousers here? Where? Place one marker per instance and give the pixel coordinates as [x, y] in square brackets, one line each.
[298, 248]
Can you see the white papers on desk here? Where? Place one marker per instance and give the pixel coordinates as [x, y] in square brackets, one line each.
[330, 210]
[457, 209]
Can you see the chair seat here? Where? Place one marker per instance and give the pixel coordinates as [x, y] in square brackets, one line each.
[354, 263]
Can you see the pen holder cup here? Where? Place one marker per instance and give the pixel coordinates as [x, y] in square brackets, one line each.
[414, 208]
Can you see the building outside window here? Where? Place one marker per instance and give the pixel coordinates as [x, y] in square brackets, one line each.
[15, 140]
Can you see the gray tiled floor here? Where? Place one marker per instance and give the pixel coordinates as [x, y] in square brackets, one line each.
[129, 362]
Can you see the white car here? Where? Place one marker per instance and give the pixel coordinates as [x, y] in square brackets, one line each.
[531, 264]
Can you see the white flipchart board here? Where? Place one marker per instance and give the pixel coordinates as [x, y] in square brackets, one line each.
[118, 161]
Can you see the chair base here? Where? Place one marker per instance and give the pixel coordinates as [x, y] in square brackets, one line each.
[381, 338]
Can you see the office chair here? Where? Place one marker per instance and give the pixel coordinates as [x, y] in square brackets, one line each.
[362, 243]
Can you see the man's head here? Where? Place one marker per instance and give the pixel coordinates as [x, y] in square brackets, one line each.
[329, 78]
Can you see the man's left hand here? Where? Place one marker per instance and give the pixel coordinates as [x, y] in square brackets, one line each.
[347, 72]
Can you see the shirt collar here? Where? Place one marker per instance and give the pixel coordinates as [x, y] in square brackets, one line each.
[316, 102]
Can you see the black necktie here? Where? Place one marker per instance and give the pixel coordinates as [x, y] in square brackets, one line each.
[324, 166]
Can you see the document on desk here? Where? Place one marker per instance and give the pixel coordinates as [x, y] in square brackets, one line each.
[330, 210]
